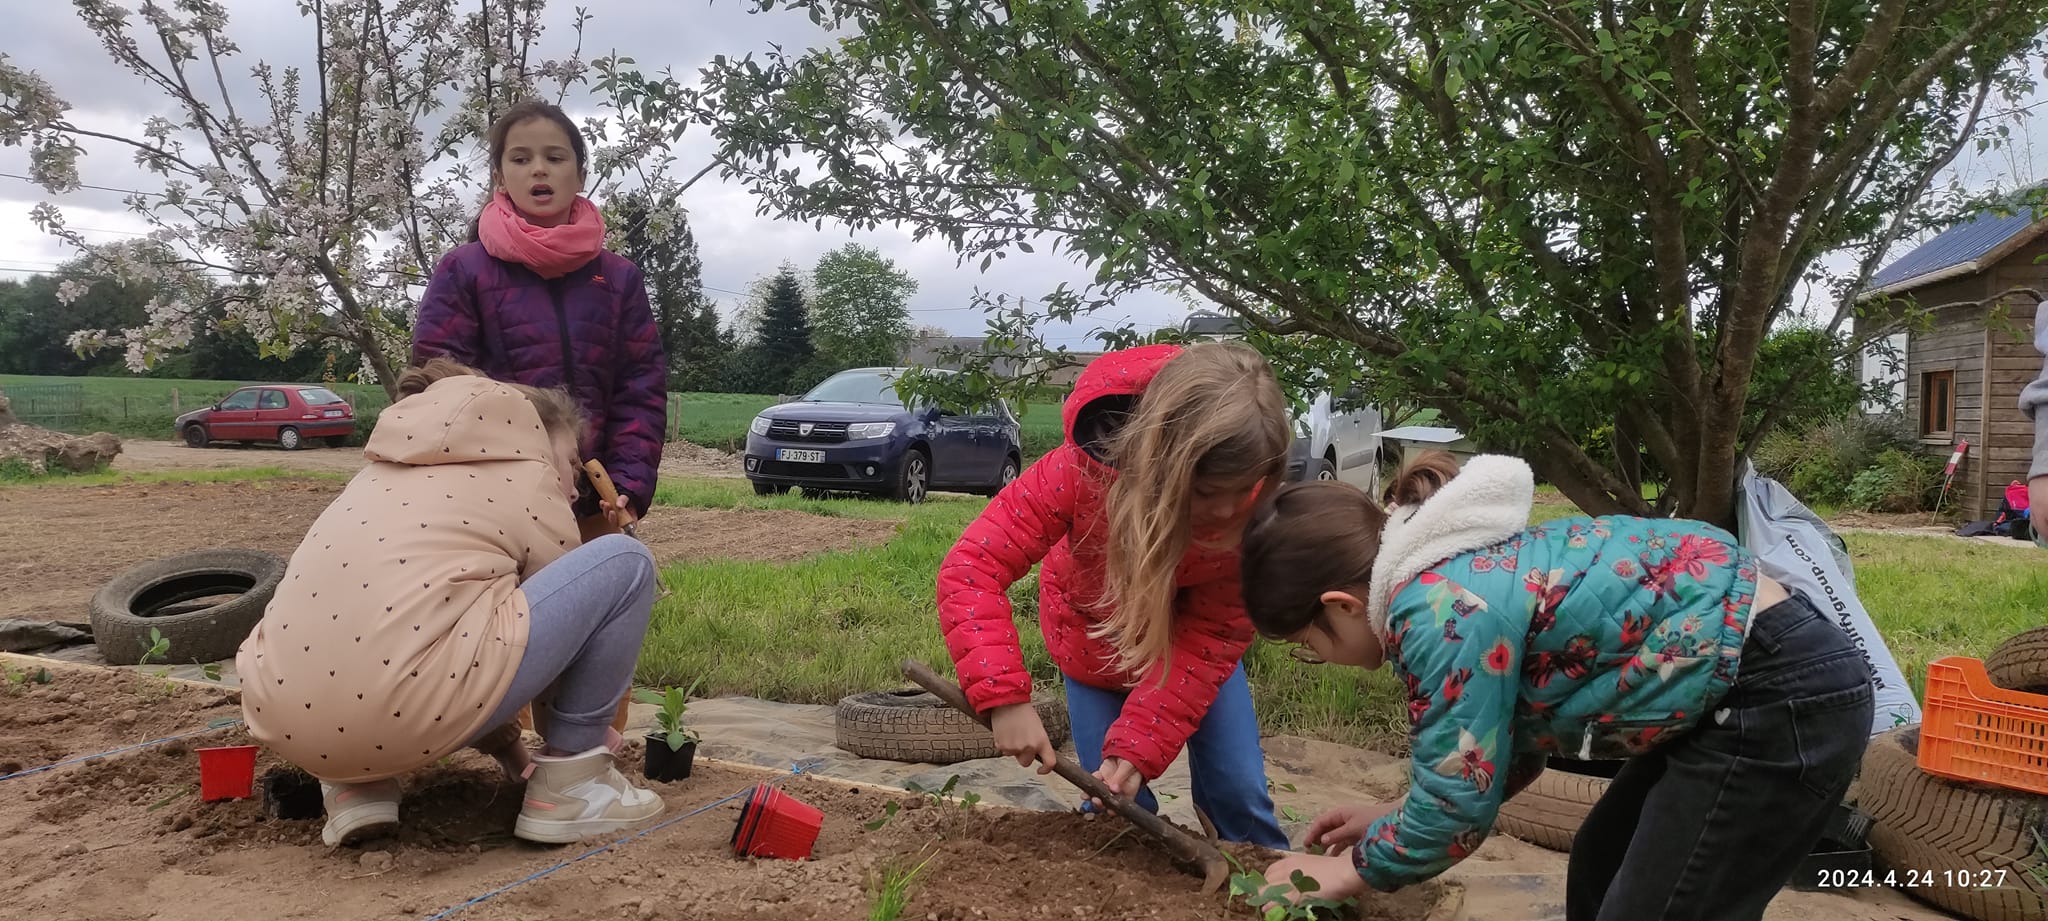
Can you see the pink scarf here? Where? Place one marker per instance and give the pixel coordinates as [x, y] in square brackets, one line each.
[551, 252]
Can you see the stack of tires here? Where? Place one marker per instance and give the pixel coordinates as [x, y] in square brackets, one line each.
[1978, 851]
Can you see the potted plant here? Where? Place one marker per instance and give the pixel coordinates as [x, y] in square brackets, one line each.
[672, 746]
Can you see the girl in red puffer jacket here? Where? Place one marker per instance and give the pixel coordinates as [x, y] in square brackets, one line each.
[1136, 517]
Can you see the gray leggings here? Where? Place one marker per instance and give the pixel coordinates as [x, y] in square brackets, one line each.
[590, 611]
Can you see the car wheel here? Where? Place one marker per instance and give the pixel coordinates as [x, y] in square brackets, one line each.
[195, 436]
[914, 477]
[288, 438]
[1322, 469]
[1005, 478]
[337, 441]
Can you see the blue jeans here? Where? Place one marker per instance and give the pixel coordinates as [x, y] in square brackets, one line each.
[1226, 764]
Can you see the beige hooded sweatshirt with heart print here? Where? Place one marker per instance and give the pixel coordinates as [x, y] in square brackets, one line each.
[400, 621]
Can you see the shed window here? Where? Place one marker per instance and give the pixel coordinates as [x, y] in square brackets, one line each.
[1938, 404]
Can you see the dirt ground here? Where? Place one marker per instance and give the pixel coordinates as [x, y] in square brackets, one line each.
[52, 571]
[126, 836]
[678, 459]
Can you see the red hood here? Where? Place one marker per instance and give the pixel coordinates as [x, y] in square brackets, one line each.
[1109, 388]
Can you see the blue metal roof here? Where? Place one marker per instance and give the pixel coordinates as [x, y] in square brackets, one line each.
[1958, 245]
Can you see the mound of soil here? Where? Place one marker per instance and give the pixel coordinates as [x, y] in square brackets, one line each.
[127, 835]
[41, 449]
[85, 712]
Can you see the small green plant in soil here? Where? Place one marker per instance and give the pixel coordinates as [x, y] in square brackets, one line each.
[15, 681]
[889, 892]
[674, 702]
[938, 797]
[157, 649]
[211, 671]
[1271, 901]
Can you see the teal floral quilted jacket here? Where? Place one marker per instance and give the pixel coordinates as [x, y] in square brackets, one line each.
[1587, 637]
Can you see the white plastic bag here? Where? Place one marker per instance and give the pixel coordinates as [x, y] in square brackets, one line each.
[1796, 548]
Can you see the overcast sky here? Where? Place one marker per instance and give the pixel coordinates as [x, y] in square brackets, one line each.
[736, 244]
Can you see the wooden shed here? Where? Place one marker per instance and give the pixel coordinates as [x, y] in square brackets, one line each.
[1963, 371]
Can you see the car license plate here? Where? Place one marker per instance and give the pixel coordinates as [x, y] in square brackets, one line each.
[800, 456]
[333, 414]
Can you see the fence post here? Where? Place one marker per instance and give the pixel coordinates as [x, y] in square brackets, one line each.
[174, 403]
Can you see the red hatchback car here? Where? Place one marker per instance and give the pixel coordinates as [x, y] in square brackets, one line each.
[287, 414]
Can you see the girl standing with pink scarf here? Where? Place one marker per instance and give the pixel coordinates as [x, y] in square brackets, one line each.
[536, 299]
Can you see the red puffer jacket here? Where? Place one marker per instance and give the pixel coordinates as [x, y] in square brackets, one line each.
[1056, 512]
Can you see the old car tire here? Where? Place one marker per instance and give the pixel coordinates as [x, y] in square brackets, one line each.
[2021, 663]
[1550, 810]
[1943, 839]
[195, 436]
[288, 438]
[914, 726]
[151, 595]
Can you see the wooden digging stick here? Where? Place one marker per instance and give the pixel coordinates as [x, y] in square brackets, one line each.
[1184, 847]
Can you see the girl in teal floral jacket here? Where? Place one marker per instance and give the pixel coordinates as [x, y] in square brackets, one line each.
[1742, 710]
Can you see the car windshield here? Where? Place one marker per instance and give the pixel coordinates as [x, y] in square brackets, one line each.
[857, 387]
[319, 396]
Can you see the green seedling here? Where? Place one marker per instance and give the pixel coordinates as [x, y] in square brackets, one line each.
[18, 680]
[1271, 901]
[1272, 787]
[1292, 814]
[211, 670]
[156, 649]
[888, 812]
[938, 797]
[889, 894]
[674, 702]
[174, 797]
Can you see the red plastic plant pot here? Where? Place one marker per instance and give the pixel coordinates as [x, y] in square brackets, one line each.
[775, 824]
[227, 773]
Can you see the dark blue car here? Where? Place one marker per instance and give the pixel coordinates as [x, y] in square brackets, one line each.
[852, 433]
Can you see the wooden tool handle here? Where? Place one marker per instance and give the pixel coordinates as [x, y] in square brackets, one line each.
[603, 484]
[1181, 844]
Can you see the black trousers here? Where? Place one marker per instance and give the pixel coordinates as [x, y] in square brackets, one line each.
[1711, 826]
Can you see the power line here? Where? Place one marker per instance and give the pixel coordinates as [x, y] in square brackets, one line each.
[83, 185]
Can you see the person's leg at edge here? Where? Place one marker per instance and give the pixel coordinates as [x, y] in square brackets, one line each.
[1090, 711]
[589, 617]
[589, 613]
[1602, 841]
[1749, 791]
[1227, 768]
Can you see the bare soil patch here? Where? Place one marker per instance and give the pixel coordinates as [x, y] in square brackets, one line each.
[126, 836]
[63, 542]
[140, 456]
[86, 712]
[688, 459]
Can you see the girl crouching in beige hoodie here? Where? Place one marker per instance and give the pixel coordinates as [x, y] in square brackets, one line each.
[443, 591]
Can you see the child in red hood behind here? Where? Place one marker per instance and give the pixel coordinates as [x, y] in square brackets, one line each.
[1137, 517]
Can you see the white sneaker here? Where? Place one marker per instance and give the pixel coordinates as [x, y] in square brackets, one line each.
[358, 812]
[569, 798]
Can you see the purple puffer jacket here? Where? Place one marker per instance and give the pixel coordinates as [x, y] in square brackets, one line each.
[591, 330]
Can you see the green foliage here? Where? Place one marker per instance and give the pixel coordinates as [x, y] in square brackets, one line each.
[674, 703]
[1273, 902]
[1897, 481]
[13, 682]
[157, 649]
[889, 890]
[782, 344]
[1820, 463]
[860, 309]
[659, 241]
[1537, 219]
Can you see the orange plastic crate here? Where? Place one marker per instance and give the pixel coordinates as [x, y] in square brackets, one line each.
[1977, 731]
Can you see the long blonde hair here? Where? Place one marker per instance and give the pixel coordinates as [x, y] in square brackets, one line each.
[1215, 410]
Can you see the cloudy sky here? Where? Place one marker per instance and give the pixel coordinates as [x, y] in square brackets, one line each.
[737, 245]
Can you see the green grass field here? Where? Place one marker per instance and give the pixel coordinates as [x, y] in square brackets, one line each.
[139, 407]
[818, 629]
